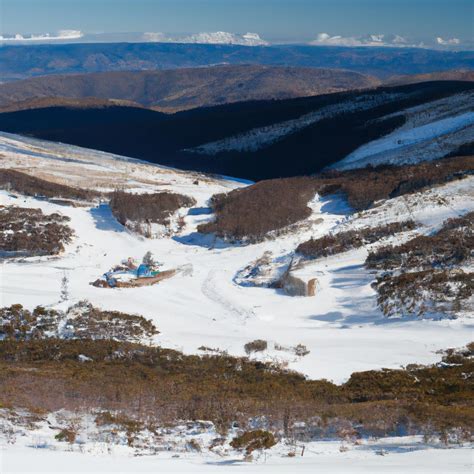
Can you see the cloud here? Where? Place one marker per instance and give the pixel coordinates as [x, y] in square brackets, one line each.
[391, 40]
[447, 42]
[324, 39]
[217, 37]
[61, 35]
[155, 37]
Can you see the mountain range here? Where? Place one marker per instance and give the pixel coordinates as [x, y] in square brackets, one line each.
[22, 61]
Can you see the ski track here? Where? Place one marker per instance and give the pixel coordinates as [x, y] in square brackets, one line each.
[210, 290]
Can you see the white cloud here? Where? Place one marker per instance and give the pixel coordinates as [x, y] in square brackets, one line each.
[397, 39]
[217, 37]
[393, 40]
[60, 35]
[337, 40]
[155, 37]
[447, 42]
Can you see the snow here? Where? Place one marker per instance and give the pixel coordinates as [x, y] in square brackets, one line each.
[261, 137]
[431, 130]
[215, 37]
[407, 455]
[223, 37]
[403, 142]
[341, 326]
[34, 448]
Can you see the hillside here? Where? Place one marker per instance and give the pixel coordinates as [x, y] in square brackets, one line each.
[455, 75]
[180, 89]
[268, 139]
[241, 336]
[23, 61]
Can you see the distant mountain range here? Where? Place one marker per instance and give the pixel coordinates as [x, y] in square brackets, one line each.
[22, 61]
[266, 139]
[180, 89]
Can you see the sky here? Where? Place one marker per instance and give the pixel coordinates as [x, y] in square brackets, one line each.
[286, 20]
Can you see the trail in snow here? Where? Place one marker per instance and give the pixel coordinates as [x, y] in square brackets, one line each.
[211, 291]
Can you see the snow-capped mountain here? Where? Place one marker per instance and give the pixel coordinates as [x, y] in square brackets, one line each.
[222, 37]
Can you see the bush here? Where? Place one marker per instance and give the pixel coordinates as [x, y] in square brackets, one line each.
[301, 350]
[423, 275]
[254, 440]
[259, 345]
[420, 292]
[30, 232]
[344, 241]
[452, 245]
[66, 435]
[251, 213]
[81, 321]
[147, 208]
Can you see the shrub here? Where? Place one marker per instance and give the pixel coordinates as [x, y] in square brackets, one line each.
[155, 208]
[30, 232]
[66, 435]
[423, 275]
[424, 291]
[82, 321]
[451, 245]
[132, 386]
[254, 440]
[251, 213]
[344, 241]
[301, 350]
[259, 345]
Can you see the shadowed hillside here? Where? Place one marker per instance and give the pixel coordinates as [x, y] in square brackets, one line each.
[256, 139]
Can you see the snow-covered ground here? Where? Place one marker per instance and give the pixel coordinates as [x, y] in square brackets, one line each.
[406, 455]
[190, 447]
[341, 326]
[431, 131]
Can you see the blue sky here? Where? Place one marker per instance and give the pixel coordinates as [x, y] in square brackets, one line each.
[273, 19]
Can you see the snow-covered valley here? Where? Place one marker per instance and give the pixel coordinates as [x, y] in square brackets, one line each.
[341, 325]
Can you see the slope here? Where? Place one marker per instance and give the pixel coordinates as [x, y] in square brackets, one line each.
[266, 139]
[180, 89]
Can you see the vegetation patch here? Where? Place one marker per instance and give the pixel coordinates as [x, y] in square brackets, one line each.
[81, 321]
[426, 291]
[343, 241]
[133, 385]
[25, 231]
[452, 245]
[423, 275]
[259, 345]
[254, 440]
[252, 213]
[22, 183]
[140, 211]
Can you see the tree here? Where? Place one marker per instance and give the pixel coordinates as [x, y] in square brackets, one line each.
[64, 288]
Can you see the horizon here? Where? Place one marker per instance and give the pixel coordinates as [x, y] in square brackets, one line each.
[370, 23]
